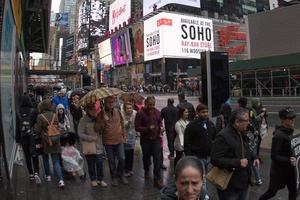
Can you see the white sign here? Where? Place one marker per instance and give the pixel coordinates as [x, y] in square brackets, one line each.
[150, 5]
[119, 12]
[273, 4]
[177, 36]
[105, 52]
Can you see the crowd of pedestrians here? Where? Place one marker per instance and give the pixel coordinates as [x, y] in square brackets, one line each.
[92, 134]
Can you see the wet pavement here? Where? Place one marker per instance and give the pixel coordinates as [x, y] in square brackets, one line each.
[137, 189]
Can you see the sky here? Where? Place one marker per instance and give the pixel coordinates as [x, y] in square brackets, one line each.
[55, 5]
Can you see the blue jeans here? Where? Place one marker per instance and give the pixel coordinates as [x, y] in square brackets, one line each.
[55, 157]
[255, 170]
[95, 166]
[233, 194]
[115, 152]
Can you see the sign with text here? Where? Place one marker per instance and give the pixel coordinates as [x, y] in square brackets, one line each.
[119, 12]
[295, 144]
[180, 36]
[151, 5]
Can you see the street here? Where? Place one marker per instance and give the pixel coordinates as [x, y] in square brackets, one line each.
[138, 188]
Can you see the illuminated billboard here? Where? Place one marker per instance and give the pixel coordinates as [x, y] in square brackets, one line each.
[151, 5]
[119, 12]
[91, 22]
[172, 35]
[121, 48]
[138, 42]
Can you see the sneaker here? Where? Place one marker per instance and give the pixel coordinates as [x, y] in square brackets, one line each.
[31, 177]
[158, 184]
[128, 174]
[259, 182]
[171, 157]
[94, 183]
[48, 178]
[131, 173]
[124, 180]
[37, 179]
[61, 184]
[114, 182]
[102, 184]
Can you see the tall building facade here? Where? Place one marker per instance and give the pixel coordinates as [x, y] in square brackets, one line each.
[69, 6]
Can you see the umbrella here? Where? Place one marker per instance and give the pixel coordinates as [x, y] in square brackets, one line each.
[99, 93]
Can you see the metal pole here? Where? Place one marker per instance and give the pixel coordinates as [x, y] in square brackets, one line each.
[289, 77]
[272, 86]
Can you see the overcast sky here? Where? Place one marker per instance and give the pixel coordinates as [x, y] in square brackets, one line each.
[55, 5]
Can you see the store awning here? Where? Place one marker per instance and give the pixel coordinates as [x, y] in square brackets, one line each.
[266, 63]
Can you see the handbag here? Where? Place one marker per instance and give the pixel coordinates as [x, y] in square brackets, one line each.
[220, 177]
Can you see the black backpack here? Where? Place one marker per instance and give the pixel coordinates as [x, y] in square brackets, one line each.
[25, 128]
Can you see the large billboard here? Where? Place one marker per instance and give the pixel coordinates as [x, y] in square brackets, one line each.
[121, 48]
[91, 22]
[172, 35]
[105, 52]
[138, 42]
[119, 12]
[151, 5]
[275, 32]
[62, 19]
[69, 47]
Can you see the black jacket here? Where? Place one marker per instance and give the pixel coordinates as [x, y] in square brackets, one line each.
[281, 169]
[197, 139]
[187, 105]
[227, 153]
[170, 115]
[27, 108]
[76, 112]
[169, 193]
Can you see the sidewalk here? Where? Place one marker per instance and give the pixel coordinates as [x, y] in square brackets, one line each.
[138, 188]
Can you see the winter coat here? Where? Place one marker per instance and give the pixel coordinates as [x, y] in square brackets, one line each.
[227, 152]
[221, 122]
[197, 139]
[179, 129]
[41, 126]
[129, 128]
[27, 108]
[76, 112]
[281, 169]
[111, 126]
[91, 140]
[170, 115]
[169, 193]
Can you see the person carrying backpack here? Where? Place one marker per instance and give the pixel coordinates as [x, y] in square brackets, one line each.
[26, 118]
[47, 126]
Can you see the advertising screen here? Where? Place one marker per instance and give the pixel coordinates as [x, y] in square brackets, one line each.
[62, 19]
[91, 21]
[138, 42]
[119, 12]
[121, 48]
[150, 5]
[105, 52]
[177, 36]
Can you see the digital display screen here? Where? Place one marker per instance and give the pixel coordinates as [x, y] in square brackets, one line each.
[121, 48]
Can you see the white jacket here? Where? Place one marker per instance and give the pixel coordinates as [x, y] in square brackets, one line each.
[179, 129]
